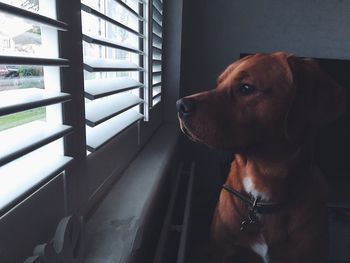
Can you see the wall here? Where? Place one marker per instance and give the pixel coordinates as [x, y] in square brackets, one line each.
[216, 32]
[171, 57]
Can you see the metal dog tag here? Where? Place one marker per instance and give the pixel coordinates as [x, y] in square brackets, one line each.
[251, 224]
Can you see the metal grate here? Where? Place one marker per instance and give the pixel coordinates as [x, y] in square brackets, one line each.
[172, 245]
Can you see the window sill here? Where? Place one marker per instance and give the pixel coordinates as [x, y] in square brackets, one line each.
[118, 230]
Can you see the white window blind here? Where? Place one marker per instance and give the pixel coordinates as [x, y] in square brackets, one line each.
[31, 128]
[114, 67]
[156, 39]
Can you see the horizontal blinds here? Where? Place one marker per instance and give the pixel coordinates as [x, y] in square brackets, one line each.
[32, 17]
[97, 88]
[13, 101]
[93, 39]
[32, 178]
[35, 61]
[23, 139]
[113, 62]
[31, 127]
[109, 19]
[99, 111]
[103, 133]
[156, 28]
[103, 65]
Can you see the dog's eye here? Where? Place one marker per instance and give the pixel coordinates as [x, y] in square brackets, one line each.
[246, 89]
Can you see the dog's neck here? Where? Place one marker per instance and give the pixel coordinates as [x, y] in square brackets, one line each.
[268, 174]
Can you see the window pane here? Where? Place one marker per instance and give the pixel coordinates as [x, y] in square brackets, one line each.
[93, 25]
[20, 37]
[109, 32]
[16, 119]
[122, 15]
[21, 77]
[18, 77]
[43, 7]
[97, 51]
[134, 4]
[95, 4]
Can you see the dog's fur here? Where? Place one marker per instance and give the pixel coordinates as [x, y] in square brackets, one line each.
[271, 132]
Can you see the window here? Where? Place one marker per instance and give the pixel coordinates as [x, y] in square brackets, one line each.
[42, 86]
[156, 13]
[31, 126]
[114, 68]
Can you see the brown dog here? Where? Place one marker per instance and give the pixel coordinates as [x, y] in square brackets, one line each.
[267, 108]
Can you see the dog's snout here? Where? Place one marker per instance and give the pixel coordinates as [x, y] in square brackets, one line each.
[185, 107]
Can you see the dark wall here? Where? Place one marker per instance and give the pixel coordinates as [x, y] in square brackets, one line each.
[216, 32]
[171, 56]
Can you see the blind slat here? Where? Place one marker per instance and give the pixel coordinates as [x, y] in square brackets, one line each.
[156, 9]
[12, 101]
[101, 110]
[97, 88]
[156, 90]
[109, 19]
[158, 5]
[156, 95]
[127, 7]
[98, 136]
[157, 44]
[43, 20]
[157, 73]
[157, 52]
[156, 67]
[156, 100]
[157, 84]
[156, 57]
[157, 41]
[109, 43]
[158, 22]
[100, 64]
[34, 61]
[156, 78]
[157, 61]
[157, 17]
[157, 48]
[25, 138]
[157, 30]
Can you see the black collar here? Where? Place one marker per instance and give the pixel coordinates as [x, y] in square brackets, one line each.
[254, 203]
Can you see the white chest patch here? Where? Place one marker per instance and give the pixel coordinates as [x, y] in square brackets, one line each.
[262, 250]
[249, 188]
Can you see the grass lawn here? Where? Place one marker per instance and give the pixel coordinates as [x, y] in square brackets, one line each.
[23, 117]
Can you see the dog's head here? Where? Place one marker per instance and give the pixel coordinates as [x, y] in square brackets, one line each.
[260, 99]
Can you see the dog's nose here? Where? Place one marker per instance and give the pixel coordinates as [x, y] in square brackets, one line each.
[185, 107]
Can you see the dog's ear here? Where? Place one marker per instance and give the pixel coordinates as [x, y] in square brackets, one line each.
[317, 100]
